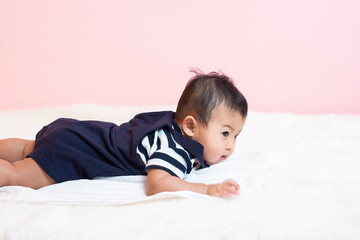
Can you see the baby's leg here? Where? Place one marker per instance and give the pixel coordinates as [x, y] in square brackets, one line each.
[15, 169]
[15, 149]
[25, 172]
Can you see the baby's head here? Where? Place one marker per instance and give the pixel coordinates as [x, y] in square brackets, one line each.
[212, 111]
[204, 92]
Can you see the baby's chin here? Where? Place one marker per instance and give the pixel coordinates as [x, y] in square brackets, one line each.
[216, 161]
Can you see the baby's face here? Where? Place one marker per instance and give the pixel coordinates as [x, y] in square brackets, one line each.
[219, 136]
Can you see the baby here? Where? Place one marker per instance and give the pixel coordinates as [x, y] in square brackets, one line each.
[164, 146]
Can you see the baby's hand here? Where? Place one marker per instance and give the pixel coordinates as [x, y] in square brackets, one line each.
[228, 188]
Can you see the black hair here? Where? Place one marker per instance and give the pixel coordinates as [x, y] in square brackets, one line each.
[204, 92]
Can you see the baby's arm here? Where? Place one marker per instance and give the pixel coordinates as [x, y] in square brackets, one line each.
[161, 181]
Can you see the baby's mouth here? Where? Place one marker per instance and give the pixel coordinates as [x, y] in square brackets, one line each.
[223, 157]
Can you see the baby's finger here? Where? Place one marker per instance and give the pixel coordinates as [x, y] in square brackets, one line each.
[233, 184]
[228, 190]
[233, 190]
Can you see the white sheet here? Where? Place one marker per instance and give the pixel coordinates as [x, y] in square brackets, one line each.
[299, 178]
[114, 190]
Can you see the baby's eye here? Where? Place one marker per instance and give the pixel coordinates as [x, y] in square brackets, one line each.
[225, 134]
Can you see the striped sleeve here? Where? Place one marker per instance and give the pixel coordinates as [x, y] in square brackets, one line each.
[165, 154]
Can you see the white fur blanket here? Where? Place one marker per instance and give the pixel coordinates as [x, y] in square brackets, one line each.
[299, 177]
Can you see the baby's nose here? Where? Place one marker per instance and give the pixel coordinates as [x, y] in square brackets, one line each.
[230, 146]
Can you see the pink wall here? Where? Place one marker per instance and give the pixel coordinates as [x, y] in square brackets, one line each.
[288, 56]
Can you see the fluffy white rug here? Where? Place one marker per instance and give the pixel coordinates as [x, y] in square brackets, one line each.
[299, 177]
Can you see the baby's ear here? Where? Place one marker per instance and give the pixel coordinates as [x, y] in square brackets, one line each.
[189, 125]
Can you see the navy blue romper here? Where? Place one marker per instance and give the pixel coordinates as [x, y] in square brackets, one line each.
[69, 149]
